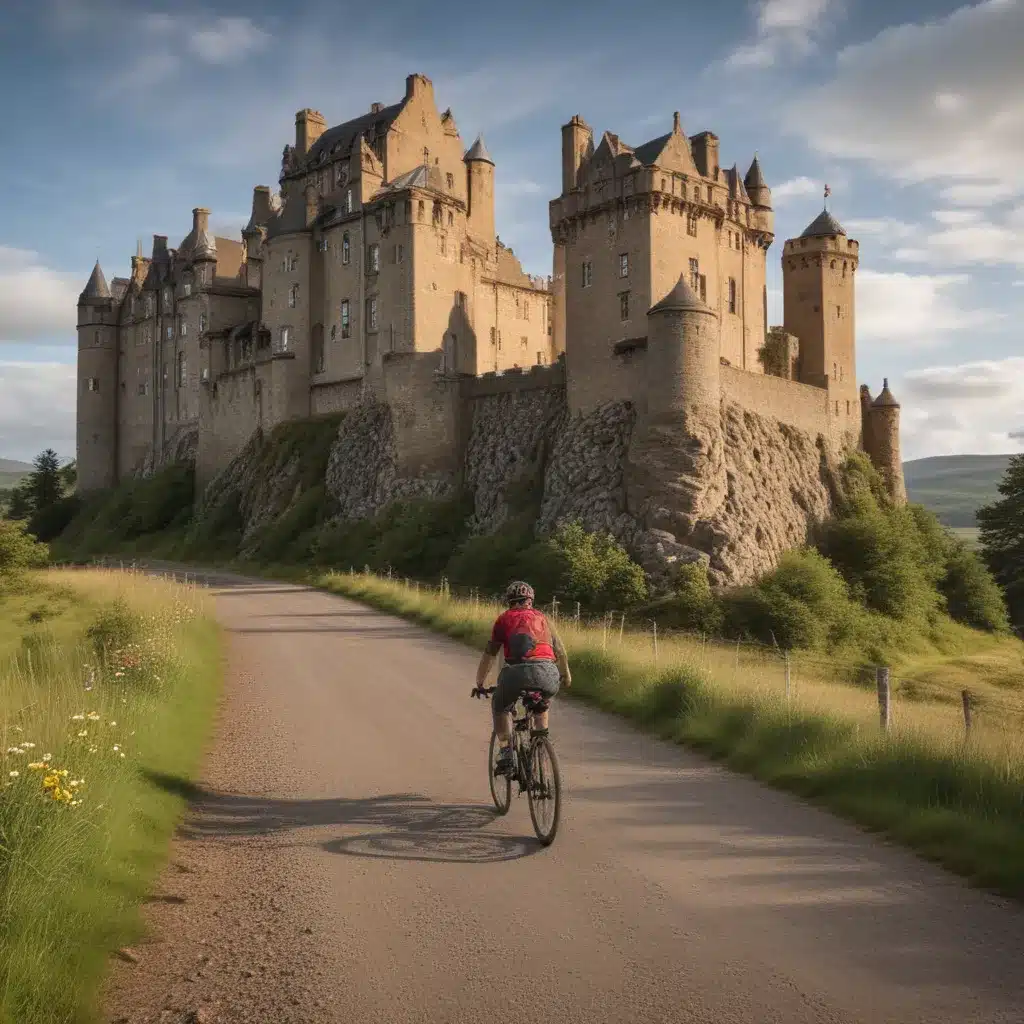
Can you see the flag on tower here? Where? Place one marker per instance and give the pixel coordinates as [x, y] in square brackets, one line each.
[828, 191]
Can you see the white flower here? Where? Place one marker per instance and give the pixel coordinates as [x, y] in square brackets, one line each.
[83, 732]
[93, 716]
[112, 724]
[14, 775]
[15, 750]
[78, 718]
[47, 757]
[29, 746]
[116, 747]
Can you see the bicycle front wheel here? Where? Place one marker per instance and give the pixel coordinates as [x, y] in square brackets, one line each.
[545, 790]
[501, 785]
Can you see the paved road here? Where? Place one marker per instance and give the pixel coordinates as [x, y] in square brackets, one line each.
[343, 864]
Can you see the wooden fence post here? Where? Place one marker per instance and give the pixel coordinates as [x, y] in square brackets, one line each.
[966, 697]
[882, 679]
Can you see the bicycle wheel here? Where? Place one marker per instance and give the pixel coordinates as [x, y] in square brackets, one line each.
[501, 785]
[545, 790]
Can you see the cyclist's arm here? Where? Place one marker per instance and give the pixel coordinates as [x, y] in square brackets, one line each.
[486, 660]
[561, 658]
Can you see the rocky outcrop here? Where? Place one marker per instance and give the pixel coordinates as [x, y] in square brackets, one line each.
[510, 441]
[362, 471]
[735, 490]
[181, 446]
[585, 476]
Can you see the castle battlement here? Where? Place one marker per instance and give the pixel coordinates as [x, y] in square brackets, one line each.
[376, 275]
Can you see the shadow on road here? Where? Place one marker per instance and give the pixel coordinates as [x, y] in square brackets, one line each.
[405, 826]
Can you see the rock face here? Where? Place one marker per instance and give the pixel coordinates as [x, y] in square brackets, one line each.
[362, 471]
[510, 442]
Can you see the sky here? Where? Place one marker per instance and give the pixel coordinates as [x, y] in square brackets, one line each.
[122, 115]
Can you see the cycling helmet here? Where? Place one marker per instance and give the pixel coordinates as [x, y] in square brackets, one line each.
[518, 592]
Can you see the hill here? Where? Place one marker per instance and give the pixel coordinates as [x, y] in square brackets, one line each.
[954, 487]
[12, 471]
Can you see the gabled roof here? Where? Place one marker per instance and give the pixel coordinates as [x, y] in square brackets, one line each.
[478, 151]
[648, 152]
[342, 136]
[681, 297]
[822, 225]
[96, 286]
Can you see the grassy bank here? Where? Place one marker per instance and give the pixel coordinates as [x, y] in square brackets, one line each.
[108, 681]
[959, 802]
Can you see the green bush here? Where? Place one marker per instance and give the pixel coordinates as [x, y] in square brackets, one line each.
[19, 552]
[49, 522]
[692, 606]
[115, 628]
[972, 595]
[599, 572]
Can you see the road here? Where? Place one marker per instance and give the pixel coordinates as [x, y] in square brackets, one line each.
[342, 863]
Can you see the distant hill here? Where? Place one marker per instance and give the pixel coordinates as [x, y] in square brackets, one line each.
[954, 487]
[12, 471]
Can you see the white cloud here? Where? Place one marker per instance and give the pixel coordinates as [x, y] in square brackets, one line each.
[35, 301]
[967, 408]
[227, 40]
[940, 101]
[37, 409]
[977, 193]
[913, 310]
[795, 188]
[783, 27]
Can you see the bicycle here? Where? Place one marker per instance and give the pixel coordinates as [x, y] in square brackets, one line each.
[534, 766]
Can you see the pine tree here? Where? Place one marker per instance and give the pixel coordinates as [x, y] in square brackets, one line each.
[45, 482]
[1002, 537]
[20, 505]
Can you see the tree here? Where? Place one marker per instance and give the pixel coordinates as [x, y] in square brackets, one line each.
[1002, 537]
[45, 482]
[20, 505]
[69, 476]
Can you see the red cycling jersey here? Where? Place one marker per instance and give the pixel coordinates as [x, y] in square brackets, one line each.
[524, 635]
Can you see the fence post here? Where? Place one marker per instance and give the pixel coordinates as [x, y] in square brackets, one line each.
[882, 678]
[787, 674]
[622, 626]
[966, 697]
[554, 608]
[604, 633]
[577, 614]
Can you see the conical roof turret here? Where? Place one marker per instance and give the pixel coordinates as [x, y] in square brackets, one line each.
[682, 297]
[885, 397]
[822, 226]
[478, 151]
[96, 286]
[757, 188]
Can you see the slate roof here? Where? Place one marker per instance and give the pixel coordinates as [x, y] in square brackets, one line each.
[822, 225]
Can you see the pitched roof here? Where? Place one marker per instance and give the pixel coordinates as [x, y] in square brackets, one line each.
[119, 287]
[96, 286]
[736, 187]
[342, 136]
[682, 296]
[648, 152]
[478, 151]
[822, 225]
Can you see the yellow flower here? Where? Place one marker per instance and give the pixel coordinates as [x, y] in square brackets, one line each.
[37, 766]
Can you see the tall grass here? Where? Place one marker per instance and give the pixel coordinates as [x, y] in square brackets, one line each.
[958, 801]
[107, 686]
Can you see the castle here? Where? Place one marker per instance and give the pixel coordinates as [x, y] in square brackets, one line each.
[375, 275]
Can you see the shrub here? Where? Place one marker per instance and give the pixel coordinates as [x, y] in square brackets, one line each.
[599, 572]
[19, 552]
[51, 521]
[751, 613]
[692, 605]
[115, 628]
[972, 595]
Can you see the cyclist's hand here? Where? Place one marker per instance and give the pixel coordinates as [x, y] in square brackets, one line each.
[567, 680]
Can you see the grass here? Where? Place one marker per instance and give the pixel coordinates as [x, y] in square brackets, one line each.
[134, 663]
[957, 801]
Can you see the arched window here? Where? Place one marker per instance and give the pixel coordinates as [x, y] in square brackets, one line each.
[346, 249]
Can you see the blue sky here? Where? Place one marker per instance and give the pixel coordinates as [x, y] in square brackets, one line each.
[121, 116]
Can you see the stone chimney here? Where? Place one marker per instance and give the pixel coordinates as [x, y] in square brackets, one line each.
[309, 126]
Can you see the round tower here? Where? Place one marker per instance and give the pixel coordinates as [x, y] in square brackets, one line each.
[480, 186]
[885, 431]
[760, 197]
[97, 403]
[683, 353]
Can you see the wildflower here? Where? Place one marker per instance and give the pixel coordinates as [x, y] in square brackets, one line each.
[28, 746]
[92, 750]
[15, 750]
[93, 716]
[83, 732]
[116, 747]
[38, 766]
[117, 675]
[47, 757]
[78, 718]
[113, 725]
[17, 728]
[122, 755]
[13, 775]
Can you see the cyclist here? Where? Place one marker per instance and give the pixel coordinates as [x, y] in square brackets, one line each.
[535, 659]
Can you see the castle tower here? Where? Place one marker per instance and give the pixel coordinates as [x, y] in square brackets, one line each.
[253, 233]
[683, 350]
[884, 452]
[761, 196]
[818, 271]
[577, 144]
[97, 386]
[480, 186]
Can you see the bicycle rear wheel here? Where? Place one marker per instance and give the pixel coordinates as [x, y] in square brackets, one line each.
[545, 790]
[501, 785]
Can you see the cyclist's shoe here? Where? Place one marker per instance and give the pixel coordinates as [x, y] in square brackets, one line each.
[505, 762]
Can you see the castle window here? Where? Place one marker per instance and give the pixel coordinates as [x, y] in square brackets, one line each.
[664, 188]
[691, 223]
[623, 264]
[703, 288]
[202, 322]
[526, 309]
[837, 408]
[186, 289]
[732, 295]
[93, 383]
[375, 258]
[147, 335]
[334, 331]
[694, 274]
[346, 249]
[835, 371]
[371, 313]
[420, 210]
[282, 340]
[348, 200]
[711, 195]
[143, 387]
[540, 358]
[494, 336]
[399, 253]
[524, 341]
[451, 218]
[499, 341]
[623, 305]
[832, 265]
[339, 174]
[847, 407]
[323, 245]
[182, 370]
[450, 178]
[839, 312]
[588, 273]
[346, 328]
[293, 296]
[167, 296]
[183, 327]
[168, 333]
